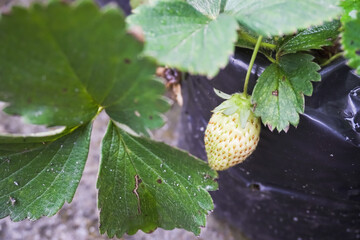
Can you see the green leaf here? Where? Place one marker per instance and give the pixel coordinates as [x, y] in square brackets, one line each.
[209, 8]
[351, 35]
[198, 35]
[279, 92]
[38, 174]
[191, 39]
[68, 60]
[311, 38]
[350, 9]
[145, 184]
[277, 17]
[140, 105]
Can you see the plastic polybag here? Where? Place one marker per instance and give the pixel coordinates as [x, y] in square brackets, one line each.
[304, 184]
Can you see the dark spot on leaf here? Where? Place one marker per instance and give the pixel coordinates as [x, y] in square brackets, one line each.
[29, 100]
[207, 176]
[150, 117]
[127, 61]
[255, 186]
[275, 93]
[254, 107]
[283, 78]
[352, 42]
[65, 90]
[159, 181]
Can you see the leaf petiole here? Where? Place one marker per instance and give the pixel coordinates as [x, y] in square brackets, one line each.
[250, 39]
[269, 58]
[257, 46]
[336, 56]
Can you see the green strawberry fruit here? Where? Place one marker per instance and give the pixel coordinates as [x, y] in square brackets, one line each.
[232, 133]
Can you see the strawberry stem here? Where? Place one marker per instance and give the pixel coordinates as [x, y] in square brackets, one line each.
[256, 49]
[251, 39]
[334, 57]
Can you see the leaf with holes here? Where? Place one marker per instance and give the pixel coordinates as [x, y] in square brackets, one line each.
[311, 38]
[197, 38]
[279, 92]
[145, 184]
[38, 174]
[351, 34]
[68, 60]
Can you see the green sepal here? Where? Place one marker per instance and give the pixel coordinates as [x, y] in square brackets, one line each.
[222, 94]
[237, 103]
[244, 116]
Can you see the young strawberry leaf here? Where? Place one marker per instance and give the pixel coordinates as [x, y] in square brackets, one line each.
[68, 60]
[145, 184]
[351, 35]
[186, 37]
[38, 174]
[311, 38]
[277, 17]
[279, 92]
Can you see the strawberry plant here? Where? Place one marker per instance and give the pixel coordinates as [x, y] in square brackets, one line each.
[61, 64]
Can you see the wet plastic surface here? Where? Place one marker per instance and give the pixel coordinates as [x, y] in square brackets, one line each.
[304, 184]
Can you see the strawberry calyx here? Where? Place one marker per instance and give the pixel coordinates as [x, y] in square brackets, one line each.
[235, 103]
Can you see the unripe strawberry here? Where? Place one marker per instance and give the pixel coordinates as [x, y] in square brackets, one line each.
[232, 133]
